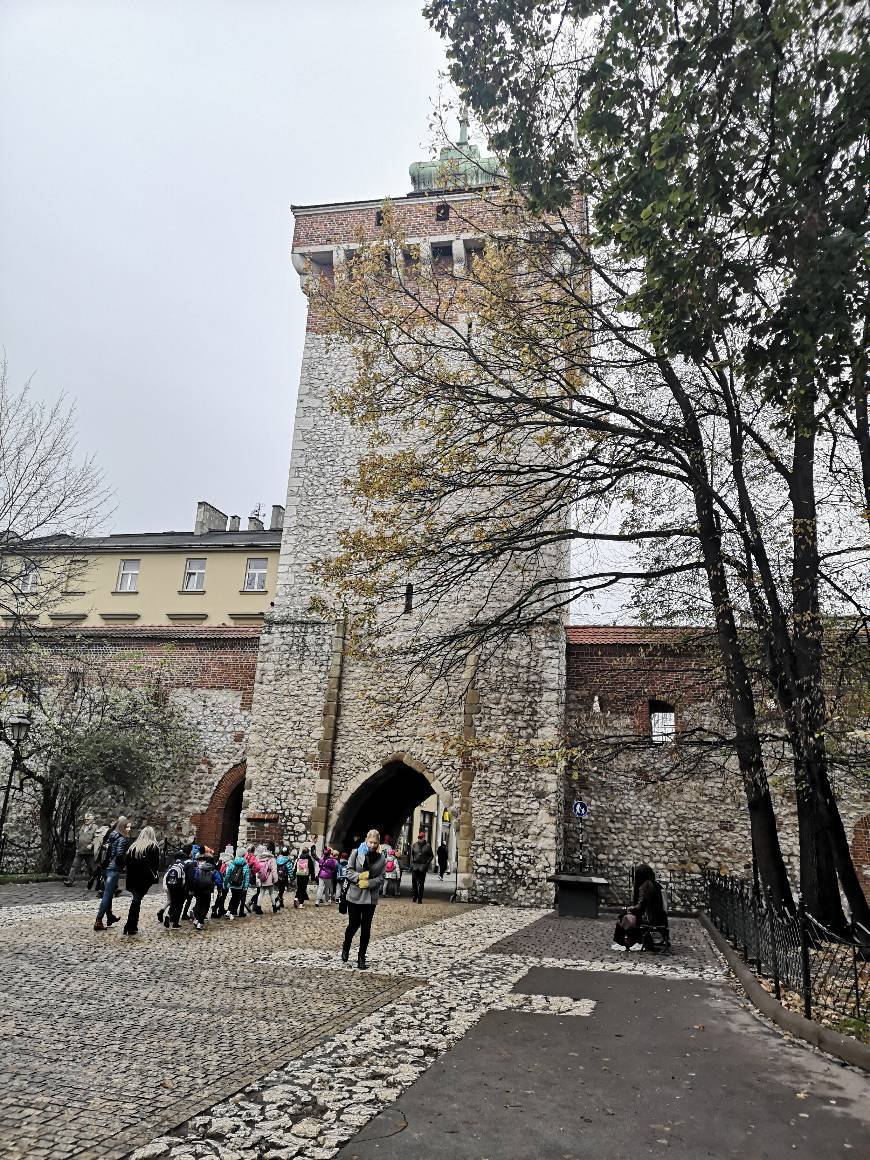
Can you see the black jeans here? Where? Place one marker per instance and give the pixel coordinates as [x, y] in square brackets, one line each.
[201, 903]
[176, 901]
[359, 918]
[131, 926]
[301, 888]
[418, 881]
[237, 899]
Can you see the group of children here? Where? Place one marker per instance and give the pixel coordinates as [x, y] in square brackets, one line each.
[232, 885]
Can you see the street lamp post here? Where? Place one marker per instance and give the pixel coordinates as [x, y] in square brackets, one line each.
[19, 727]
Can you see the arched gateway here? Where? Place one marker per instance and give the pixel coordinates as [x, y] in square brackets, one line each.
[316, 755]
[383, 800]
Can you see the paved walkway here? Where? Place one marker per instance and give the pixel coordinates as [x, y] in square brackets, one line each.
[480, 1032]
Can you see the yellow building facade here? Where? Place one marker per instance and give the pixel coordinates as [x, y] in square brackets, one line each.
[217, 574]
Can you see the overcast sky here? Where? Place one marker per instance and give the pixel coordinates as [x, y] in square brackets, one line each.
[149, 154]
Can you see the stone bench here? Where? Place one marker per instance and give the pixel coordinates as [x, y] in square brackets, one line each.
[577, 895]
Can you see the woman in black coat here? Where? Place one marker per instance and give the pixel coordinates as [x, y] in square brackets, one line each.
[143, 870]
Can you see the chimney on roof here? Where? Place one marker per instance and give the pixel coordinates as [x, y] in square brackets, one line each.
[277, 521]
[255, 524]
[234, 524]
[208, 519]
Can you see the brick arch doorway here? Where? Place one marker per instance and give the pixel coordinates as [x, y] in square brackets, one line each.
[218, 825]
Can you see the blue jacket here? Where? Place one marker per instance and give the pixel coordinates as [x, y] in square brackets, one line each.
[239, 860]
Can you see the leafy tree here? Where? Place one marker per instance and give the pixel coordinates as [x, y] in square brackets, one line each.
[100, 734]
[725, 147]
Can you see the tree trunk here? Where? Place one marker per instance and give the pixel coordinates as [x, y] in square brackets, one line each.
[47, 804]
[762, 819]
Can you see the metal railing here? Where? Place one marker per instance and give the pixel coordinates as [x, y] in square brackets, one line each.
[829, 973]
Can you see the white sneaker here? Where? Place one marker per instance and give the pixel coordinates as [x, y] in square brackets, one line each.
[636, 947]
[615, 946]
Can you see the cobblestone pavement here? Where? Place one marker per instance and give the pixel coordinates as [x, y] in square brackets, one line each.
[109, 1041]
[312, 1106]
[587, 941]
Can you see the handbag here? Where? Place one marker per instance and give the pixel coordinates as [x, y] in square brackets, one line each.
[342, 897]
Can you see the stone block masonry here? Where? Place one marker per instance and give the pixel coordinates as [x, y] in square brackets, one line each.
[209, 673]
[647, 801]
[326, 738]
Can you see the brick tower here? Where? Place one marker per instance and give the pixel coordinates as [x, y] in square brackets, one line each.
[317, 762]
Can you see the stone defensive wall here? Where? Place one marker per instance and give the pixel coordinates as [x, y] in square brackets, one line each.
[209, 673]
[679, 807]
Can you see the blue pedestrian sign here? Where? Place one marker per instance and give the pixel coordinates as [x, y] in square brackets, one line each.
[579, 809]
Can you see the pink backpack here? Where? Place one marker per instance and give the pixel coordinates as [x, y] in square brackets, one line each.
[302, 867]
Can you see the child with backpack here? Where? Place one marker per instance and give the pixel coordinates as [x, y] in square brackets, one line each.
[284, 870]
[174, 893]
[325, 877]
[304, 871]
[225, 857]
[253, 903]
[268, 875]
[237, 879]
[202, 883]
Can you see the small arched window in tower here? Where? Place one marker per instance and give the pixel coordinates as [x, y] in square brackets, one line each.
[662, 722]
[409, 597]
[442, 212]
[379, 217]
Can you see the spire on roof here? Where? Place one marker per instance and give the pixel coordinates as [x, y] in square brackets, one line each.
[458, 166]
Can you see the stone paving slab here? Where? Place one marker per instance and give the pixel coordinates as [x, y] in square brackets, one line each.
[109, 1041]
[585, 940]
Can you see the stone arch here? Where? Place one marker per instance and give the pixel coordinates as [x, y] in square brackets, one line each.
[210, 823]
[366, 784]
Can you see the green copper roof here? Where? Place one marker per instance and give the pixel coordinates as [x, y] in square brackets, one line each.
[457, 167]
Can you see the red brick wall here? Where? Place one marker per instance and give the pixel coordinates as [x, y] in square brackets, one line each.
[224, 658]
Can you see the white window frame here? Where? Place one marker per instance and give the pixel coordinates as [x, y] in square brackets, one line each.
[124, 574]
[662, 723]
[190, 573]
[29, 579]
[251, 573]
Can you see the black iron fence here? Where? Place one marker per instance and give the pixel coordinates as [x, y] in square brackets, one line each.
[828, 973]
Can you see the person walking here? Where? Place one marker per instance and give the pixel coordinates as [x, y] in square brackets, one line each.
[143, 870]
[421, 859]
[84, 851]
[441, 855]
[116, 851]
[304, 871]
[174, 892]
[365, 873]
[237, 879]
[203, 882]
[325, 877]
[268, 873]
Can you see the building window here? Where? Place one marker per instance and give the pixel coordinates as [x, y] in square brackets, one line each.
[409, 597]
[442, 212]
[662, 722]
[29, 578]
[442, 258]
[128, 576]
[255, 574]
[194, 575]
